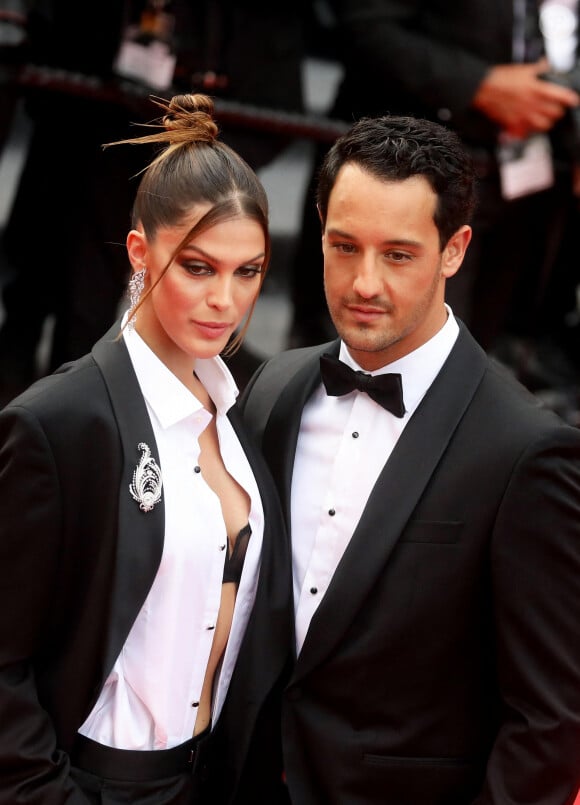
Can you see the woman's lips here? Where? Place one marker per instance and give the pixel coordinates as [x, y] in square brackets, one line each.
[212, 329]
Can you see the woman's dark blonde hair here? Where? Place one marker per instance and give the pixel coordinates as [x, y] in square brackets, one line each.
[195, 168]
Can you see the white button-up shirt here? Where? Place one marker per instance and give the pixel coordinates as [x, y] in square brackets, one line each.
[343, 444]
[150, 698]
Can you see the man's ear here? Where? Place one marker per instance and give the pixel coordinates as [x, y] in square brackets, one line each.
[454, 251]
[137, 249]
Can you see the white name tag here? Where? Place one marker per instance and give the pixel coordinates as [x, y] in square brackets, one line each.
[525, 166]
[153, 64]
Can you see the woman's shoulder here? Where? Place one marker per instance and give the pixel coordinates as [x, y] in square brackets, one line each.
[67, 416]
[74, 389]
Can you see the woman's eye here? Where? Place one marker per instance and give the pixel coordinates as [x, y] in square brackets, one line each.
[198, 269]
[249, 271]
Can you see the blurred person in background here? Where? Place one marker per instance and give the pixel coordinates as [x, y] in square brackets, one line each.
[80, 199]
[13, 47]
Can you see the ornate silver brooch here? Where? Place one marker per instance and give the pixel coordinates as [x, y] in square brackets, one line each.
[147, 484]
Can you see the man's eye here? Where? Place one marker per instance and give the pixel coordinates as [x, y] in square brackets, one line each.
[345, 248]
[398, 257]
[249, 271]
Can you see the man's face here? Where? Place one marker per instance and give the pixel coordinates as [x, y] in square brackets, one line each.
[384, 272]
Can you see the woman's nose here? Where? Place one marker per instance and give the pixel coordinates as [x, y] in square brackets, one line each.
[220, 295]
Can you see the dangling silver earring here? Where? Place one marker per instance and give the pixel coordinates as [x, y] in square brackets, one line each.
[136, 285]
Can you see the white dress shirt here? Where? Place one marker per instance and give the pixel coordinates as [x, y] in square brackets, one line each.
[343, 444]
[150, 698]
[559, 24]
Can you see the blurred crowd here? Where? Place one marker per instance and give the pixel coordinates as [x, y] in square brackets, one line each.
[503, 73]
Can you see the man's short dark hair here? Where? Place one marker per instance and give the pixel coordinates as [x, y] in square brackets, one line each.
[396, 148]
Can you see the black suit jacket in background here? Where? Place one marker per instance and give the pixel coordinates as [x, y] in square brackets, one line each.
[426, 59]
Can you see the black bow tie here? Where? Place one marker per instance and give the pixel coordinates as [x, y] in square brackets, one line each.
[339, 379]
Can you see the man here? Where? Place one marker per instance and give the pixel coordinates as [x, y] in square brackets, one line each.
[436, 545]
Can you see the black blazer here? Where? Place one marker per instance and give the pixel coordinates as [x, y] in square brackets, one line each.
[78, 558]
[442, 666]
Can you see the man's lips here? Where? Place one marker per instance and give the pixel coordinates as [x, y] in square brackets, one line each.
[366, 312]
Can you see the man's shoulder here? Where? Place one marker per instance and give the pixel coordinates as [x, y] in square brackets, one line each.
[503, 405]
[284, 365]
[270, 381]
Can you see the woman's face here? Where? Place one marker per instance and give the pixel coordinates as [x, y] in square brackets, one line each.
[205, 293]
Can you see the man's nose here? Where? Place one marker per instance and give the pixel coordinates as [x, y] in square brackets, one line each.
[368, 281]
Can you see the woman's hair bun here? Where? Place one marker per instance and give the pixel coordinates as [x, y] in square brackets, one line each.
[191, 116]
[187, 120]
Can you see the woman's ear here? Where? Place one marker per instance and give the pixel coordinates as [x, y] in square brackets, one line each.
[137, 249]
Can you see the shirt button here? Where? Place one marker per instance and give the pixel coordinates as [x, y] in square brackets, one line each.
[355, 434]
[197, 468]
[223, 547]
[209, 628]
[332, 512]
[314, 590]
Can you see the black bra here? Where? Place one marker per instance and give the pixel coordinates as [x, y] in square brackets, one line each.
[234, 563]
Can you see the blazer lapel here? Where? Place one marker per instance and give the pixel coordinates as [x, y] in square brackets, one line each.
[272, 612]
[140, 533]
[395, 495]
[281, 432]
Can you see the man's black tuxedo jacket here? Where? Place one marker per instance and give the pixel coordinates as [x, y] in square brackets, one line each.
[442, 667]
[77, 559]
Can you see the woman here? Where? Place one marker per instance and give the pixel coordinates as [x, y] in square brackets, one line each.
[136, 523]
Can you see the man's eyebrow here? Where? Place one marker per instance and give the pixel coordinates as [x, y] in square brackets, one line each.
[387, 242]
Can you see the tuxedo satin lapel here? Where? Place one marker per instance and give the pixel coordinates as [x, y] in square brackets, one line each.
[281, 432]
[395, 495]
[140, 537]
[273, 605]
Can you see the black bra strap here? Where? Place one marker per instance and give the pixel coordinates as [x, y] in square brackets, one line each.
[234, 563]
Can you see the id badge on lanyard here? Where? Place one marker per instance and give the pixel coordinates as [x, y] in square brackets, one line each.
[146, 54]
[525, 164]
